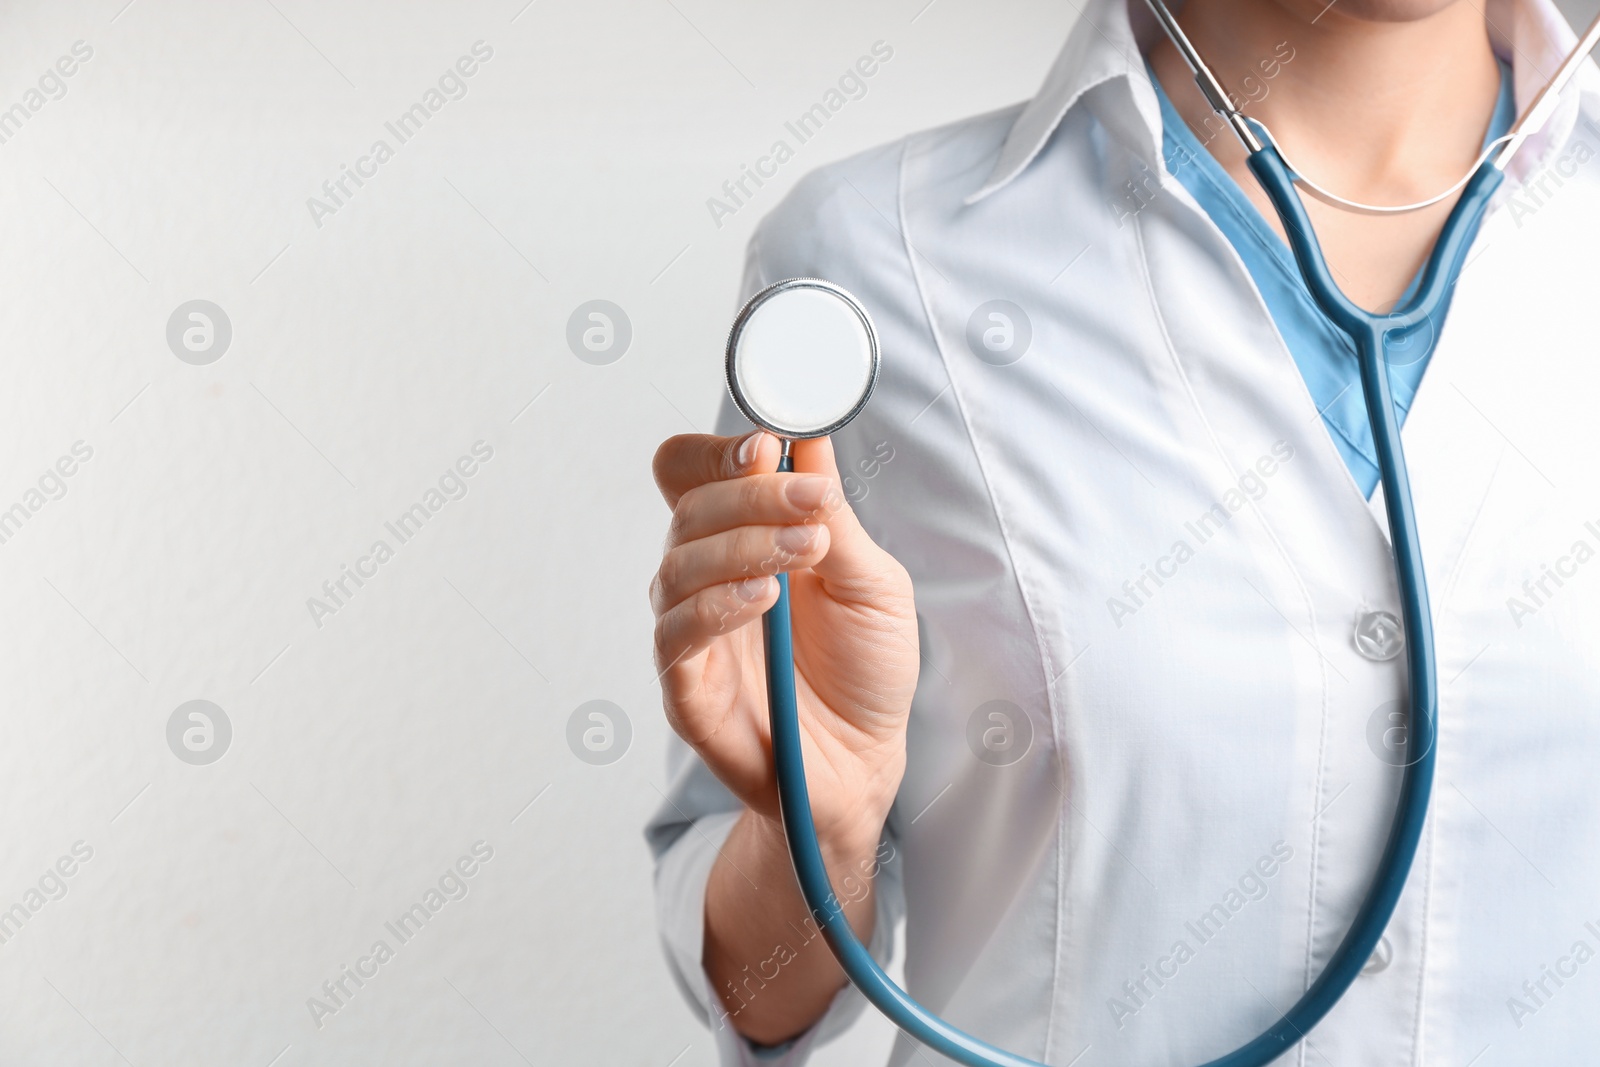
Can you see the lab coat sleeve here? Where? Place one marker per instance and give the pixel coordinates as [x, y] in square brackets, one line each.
[685, 835]
[698, 811]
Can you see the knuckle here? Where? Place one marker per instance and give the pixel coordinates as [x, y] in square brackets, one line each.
[669, 576]
[658, 636]
[707, 612]
[675, 528]
[666, 633]
[892, 584]
[683, 516]
[756, 552]
[751, 493]
[727, 452]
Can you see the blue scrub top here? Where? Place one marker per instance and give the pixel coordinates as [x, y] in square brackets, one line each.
[1326, 357]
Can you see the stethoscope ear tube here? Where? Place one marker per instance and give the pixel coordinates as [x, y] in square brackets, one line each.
[1370, 333]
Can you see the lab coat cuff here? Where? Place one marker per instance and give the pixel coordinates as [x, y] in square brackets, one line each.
[681, 877]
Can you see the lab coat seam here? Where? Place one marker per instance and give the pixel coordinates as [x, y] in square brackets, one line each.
[1171, 184]
[1063, 931]
[1418, 1031]
[1458, 565]
[1045, 662]
[972, 440]
[1435, 384]
[1332, 335]
[1319, 786]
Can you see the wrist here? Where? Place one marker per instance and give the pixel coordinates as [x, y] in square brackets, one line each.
[856, 827]
[847, 843]
[852, 838]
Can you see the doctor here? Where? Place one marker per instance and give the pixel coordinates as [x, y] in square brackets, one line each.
[1096, 637]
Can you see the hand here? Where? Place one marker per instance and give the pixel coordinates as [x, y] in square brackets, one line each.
[855, 630]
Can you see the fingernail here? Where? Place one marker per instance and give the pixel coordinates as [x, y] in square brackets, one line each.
[806, 493]
[796, 538]
[746, 453]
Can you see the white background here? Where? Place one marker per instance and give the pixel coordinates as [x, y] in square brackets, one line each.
[367, 355]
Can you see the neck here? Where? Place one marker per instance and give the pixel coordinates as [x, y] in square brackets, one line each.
[1382, 111]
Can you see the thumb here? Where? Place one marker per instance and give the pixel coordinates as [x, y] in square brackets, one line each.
[853, 560]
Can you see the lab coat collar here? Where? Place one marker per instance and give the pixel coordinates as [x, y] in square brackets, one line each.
[1106, 45]
[1110, 38]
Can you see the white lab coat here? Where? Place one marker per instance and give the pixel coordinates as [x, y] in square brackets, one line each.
[1141, 536]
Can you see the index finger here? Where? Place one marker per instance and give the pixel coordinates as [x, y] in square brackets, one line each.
[692, 459]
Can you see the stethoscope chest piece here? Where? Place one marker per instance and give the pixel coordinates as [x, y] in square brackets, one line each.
[802, 358]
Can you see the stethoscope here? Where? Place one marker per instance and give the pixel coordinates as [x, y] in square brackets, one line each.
[802, 360]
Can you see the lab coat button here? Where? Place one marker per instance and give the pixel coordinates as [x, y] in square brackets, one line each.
[1379, 635]
[1381, 957]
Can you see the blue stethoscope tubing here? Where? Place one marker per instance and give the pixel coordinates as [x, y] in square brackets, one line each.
[1372, 335]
